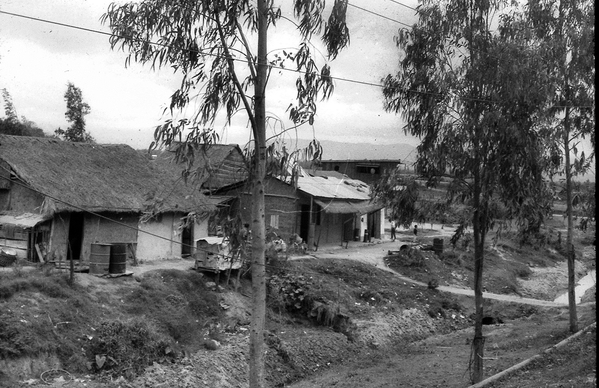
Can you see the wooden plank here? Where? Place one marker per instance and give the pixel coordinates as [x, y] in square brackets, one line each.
[16, 244]
[20, 235]
[39, 253]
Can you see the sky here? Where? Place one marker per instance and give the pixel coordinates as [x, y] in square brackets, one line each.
[38, 60]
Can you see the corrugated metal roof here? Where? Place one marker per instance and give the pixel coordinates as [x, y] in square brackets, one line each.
[345, 207]
[333, 187]
[25, 220]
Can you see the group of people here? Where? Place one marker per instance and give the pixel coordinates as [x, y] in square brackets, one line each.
[394, 225]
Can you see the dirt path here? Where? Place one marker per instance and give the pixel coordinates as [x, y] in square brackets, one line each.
[374, 254]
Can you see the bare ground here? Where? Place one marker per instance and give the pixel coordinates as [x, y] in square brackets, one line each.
[389, 351]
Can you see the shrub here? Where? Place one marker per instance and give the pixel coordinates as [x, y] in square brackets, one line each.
[288, 292]
[412, 258]
[126, 347]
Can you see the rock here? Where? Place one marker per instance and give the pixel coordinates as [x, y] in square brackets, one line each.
[210, 285]
[211, 344]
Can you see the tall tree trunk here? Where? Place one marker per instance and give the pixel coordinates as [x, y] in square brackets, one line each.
[569, 245]
[257, 347]
[478, 343]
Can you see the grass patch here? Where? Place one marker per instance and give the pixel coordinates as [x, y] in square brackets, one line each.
[178, 303]
[51, 284]
[41, 314]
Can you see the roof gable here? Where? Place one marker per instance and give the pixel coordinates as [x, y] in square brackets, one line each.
[95, 177]
[213, 168]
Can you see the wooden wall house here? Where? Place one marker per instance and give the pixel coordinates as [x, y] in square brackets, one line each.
[321, 207]
[25, 234]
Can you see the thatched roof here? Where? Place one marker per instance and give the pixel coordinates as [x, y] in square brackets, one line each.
[215, 167]
[92, 176]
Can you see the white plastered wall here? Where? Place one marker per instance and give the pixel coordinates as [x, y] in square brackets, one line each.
[162, 240]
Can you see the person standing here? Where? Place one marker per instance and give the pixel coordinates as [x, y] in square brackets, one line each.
[415, 231]
[392, 230]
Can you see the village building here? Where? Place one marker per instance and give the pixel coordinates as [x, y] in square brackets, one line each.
[368, 171]
[320, 207]
[59, 198]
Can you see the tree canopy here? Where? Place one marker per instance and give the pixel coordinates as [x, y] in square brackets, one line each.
[220, 48]
[11, 125]
[473, 95]
[77, 109]
[564, 31]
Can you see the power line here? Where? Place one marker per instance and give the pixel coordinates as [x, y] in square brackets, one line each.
[404, 5]
[349, 80]
[378, 14]
[366, 83]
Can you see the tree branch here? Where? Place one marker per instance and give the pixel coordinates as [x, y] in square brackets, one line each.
[249, 55]
[231, 64]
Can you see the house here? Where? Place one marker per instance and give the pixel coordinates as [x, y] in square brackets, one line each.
[340, 207]
[62, 197]
[368, 171]
[321, 207]
[215, 170]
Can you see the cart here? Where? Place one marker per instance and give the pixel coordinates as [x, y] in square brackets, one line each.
[214, 254]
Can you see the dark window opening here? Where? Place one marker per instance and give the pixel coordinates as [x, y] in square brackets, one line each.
[374, 170]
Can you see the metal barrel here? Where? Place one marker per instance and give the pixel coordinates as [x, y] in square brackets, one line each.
[118, 258]
[99, 260]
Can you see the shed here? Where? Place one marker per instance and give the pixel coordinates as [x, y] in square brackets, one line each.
[27, 234]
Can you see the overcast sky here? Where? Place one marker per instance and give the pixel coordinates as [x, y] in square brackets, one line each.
[37, 60]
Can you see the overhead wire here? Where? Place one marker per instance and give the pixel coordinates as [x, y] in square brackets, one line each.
[379, 15]
[343, 79]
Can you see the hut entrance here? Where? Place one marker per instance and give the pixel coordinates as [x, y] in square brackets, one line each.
[187, 240]
[305, 222]
[75, 236]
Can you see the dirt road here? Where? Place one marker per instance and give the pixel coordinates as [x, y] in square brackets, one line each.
[374, 254]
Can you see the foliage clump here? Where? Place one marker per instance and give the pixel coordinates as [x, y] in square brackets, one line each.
[127, 347]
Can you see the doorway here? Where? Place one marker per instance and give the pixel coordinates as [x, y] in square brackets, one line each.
[305, 222]
[75, 236]
[187, 240]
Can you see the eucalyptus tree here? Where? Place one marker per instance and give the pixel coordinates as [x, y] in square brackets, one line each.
[77, 109]
[211, 45]
[472, 95]
[565, 30]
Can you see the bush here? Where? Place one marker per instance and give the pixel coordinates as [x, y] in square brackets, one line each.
[412, 258]
[288, 292]
[127, 347]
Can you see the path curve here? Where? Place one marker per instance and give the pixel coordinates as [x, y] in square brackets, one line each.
[373, 254]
